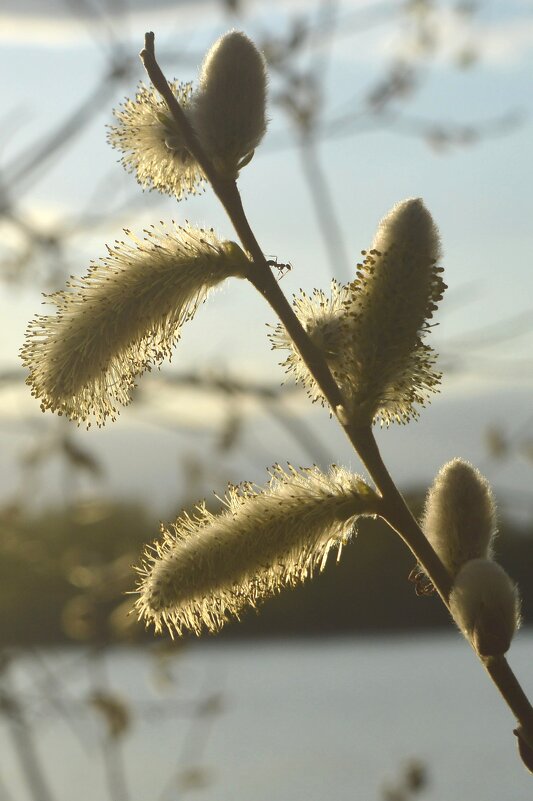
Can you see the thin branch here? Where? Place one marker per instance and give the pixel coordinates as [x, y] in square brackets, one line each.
[397, 513]
[55, 693]
[300, 431]
[194, 742]
[160, 83]
[111, 750]
[39, 157]
[24, 745]
[273, 400]
[325, 214]
[490, 335]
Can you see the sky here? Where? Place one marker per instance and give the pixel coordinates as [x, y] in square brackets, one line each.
[477, 78]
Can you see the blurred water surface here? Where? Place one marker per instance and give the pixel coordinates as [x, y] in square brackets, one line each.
[289, 720]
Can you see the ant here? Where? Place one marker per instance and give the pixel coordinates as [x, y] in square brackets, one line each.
[423, 585]
[282, 269]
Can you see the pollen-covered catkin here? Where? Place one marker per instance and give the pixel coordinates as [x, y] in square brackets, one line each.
[486, 606]
[397, 288]
[122, 318]
[209, 567]
[152, 145]
[327, 325]
[371, 331]
[460, 515]
[228, 110]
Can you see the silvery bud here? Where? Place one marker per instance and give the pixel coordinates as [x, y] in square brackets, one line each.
[486, 606]
[229, 107]
[460, 515]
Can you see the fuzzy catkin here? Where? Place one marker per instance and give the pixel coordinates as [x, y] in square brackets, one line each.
[325, 322]
[207, 567]
[122, 318]
[486, 606]
[152, 145]
[228, 110]
[371, 331]
[460, 515]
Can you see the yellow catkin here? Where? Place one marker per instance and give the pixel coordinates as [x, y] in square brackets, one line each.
[152, 146]
[371, 331]
[208, 568]
[122, 318]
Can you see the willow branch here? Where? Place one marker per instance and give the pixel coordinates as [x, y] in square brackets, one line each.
[394, 509]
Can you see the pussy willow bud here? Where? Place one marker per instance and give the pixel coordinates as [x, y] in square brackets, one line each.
[371, 330]
[122, 318]
[229, 107]
[210, 567]
[460, 515]
[486, 606]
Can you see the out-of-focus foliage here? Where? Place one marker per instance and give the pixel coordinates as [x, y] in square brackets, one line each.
[65, 574]
[412, 781]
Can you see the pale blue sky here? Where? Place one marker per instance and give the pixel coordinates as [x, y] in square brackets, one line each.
[480, 195]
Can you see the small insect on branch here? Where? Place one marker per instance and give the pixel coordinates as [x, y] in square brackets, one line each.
[282, 268]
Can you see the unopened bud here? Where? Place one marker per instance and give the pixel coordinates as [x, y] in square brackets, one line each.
[460, 515]
[229, 107]
[486, 606]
